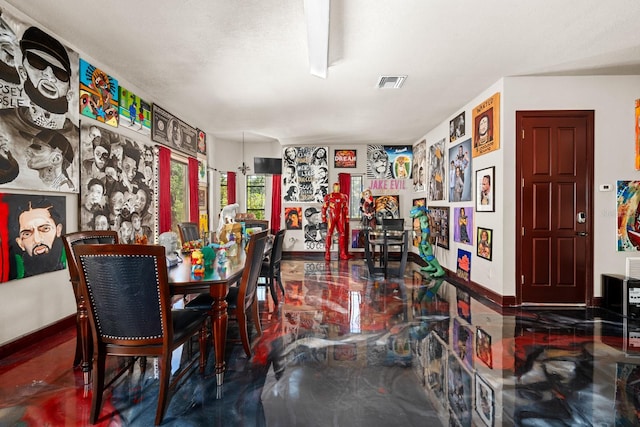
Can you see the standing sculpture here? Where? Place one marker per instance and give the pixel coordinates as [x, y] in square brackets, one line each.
[433, 267]
[335, 212]
[368, 209]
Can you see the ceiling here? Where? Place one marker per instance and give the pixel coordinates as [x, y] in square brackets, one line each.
[241, 66]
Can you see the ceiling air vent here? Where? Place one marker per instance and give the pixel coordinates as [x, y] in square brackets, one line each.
[391, 82]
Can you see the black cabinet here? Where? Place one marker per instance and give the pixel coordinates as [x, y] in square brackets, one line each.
[621, 295]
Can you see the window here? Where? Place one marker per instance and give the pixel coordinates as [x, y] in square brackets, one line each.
[256, 195]
[179, 190]
[223, 190]
[355, 196]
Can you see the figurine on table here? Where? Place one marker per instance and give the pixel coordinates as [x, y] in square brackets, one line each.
[368, 209]
[433, 267]
[335, 212]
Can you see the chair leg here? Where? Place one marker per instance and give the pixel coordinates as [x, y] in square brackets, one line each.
[99, 362]
[244, 333]
[163, 397]
[256, 316]
[272, 289]
[279, 279]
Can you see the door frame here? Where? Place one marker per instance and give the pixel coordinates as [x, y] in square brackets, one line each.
[589, 115]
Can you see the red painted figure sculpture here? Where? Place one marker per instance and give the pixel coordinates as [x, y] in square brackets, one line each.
[335, 212]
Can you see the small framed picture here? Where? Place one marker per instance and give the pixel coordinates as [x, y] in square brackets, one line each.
[344, 158]
[484, 401]
[485, 243]
[485, 192]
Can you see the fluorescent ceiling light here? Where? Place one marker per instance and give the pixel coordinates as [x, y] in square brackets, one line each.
[317, 15]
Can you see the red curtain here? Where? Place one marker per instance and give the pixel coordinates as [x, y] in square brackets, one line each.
[344, 180]
[194, 213]
[164, 189]
[231, 188]
[276, 207]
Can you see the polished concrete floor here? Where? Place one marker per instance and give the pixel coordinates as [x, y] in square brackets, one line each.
[346, 350]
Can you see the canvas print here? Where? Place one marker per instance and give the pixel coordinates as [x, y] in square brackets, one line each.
[436, 172]
[485, 243]
[119, 185]
[400, 160]
[305, 174]
[134, 113]
[463, 265]
[485, 192]
[202, 142]
[463, 218]
[315, 231]
[344, 158]
[460, 177]
[439, 222]
[30, 230]
[637, 127]
[459, 390]
[483, 347]
[463, 343]
[456, 127]
[387, 207]
[484, 401]
[99, 94]
[293, 218]
[628, 196]
[486, 125]
[39, 113]
[419, 173]
[378, 166]
[166, 129]
[202, 170]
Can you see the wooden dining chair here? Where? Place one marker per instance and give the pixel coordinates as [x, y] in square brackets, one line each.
[270, 269]
[129, 305]
[83, 334]
[189, 231]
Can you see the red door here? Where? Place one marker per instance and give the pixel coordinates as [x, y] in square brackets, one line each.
[554, 163]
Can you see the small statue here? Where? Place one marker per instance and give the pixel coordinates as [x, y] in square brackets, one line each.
[169, 239]
[197, 264]
[227, 216]
[335, 212]
[433, 267]
[368, 209]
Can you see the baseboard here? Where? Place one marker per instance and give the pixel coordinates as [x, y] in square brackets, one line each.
[36, 337]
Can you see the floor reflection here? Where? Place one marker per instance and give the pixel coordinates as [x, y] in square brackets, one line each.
[346, 350]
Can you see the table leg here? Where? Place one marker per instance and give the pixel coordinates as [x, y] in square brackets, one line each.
[219, 322]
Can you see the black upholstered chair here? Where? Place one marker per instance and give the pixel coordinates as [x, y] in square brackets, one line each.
[83, 334]
[270, 269]
[130, 313]
[189, 231]
[242, 299]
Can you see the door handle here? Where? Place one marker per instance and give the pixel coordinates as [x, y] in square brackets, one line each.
[582, 233]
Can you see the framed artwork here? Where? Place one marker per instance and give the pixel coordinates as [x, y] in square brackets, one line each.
[463, 219]
[202, 197]
[637, 126]
[486, 125]
[463, 343]
[437, 164]
[460, 177]
[356, 241]
[169, 130]
[417, 236]
[419, 165]
[485, 243]
[95, 101]
[456, 127]
[628, 194]
[135, 114]
[459, 390]
[202, 141]
[463, 265]
[483, 347]
[387, 207]
[484, 401]
[293, 218]
[344, 158]
[439, 222]
[485, 192]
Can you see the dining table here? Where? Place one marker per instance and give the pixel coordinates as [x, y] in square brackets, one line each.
[385, 239]
[215, 280]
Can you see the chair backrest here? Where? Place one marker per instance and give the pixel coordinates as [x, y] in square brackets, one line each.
[84, 238]
[189, 231]
[392, 224]
[276, 249]
[128, 293]
[253, 264]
